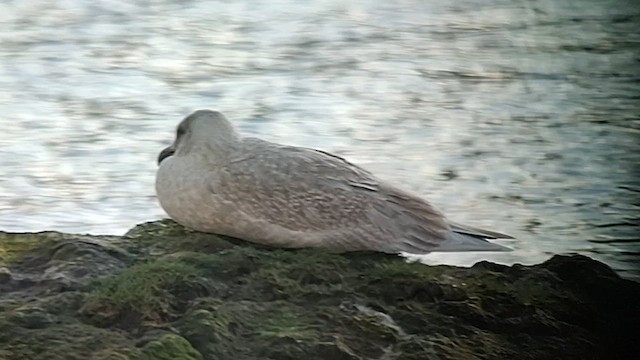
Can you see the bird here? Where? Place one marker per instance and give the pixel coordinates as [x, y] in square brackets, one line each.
[213, 179]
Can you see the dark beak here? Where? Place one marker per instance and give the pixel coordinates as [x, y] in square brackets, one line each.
[166, 153]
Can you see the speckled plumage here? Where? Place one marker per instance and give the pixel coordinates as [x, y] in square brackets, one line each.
[212, 179]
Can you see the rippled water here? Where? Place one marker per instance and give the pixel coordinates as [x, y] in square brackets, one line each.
[523, 116]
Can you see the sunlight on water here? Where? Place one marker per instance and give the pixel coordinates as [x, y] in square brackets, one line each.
[517, 116]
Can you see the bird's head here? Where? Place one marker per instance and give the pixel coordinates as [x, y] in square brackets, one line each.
[208, 130]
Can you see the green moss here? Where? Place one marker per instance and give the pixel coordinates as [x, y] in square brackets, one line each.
[202, 327]
[66, 341]
[225, 329]
[14, 246]
[283, 322]
[301, 275]
[188, 295]
[169, 347]
[113, 355]
[165, 228]
[208, 327]
[146, 291]
[415, 270]
[166, 236]
[280, 330]
[225, 265]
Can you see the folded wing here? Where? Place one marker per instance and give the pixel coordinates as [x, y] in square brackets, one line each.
[305, 191]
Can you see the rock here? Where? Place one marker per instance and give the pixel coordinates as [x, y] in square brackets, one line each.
[169, 347]
[5, 275]
[165, 292]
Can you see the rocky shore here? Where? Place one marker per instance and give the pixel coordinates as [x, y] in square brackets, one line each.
[164, 292]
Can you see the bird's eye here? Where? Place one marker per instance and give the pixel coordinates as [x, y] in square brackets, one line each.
[181, 131]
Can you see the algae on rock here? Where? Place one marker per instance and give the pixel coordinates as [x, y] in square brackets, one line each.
[164, 292]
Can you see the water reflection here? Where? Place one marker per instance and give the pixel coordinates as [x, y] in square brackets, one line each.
[518, 116]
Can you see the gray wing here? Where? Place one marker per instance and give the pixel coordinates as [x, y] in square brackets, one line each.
[306, 190]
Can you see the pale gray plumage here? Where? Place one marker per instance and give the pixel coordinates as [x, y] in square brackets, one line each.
[212, 179]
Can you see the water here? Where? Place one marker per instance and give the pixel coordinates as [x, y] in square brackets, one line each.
[522, 116]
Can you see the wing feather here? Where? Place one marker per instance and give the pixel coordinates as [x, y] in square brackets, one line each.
[323, 199]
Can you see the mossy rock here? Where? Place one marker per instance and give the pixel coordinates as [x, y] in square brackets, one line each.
[166, 237]
[164, 292]
[14, 246]
[169, 347]
[149, 291]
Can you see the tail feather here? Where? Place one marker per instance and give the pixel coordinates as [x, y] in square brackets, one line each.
[465, 242]
[467, 238]
[473, 231]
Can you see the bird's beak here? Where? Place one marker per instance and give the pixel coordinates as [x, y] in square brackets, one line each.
[166, 153]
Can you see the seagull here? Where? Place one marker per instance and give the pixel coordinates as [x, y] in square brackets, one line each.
[212, 179]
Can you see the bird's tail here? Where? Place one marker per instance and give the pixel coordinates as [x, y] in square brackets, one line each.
[467, 238]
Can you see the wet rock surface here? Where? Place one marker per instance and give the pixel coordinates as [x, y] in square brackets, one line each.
[164, 292]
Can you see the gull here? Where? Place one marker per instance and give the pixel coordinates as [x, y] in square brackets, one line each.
[212, 179]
